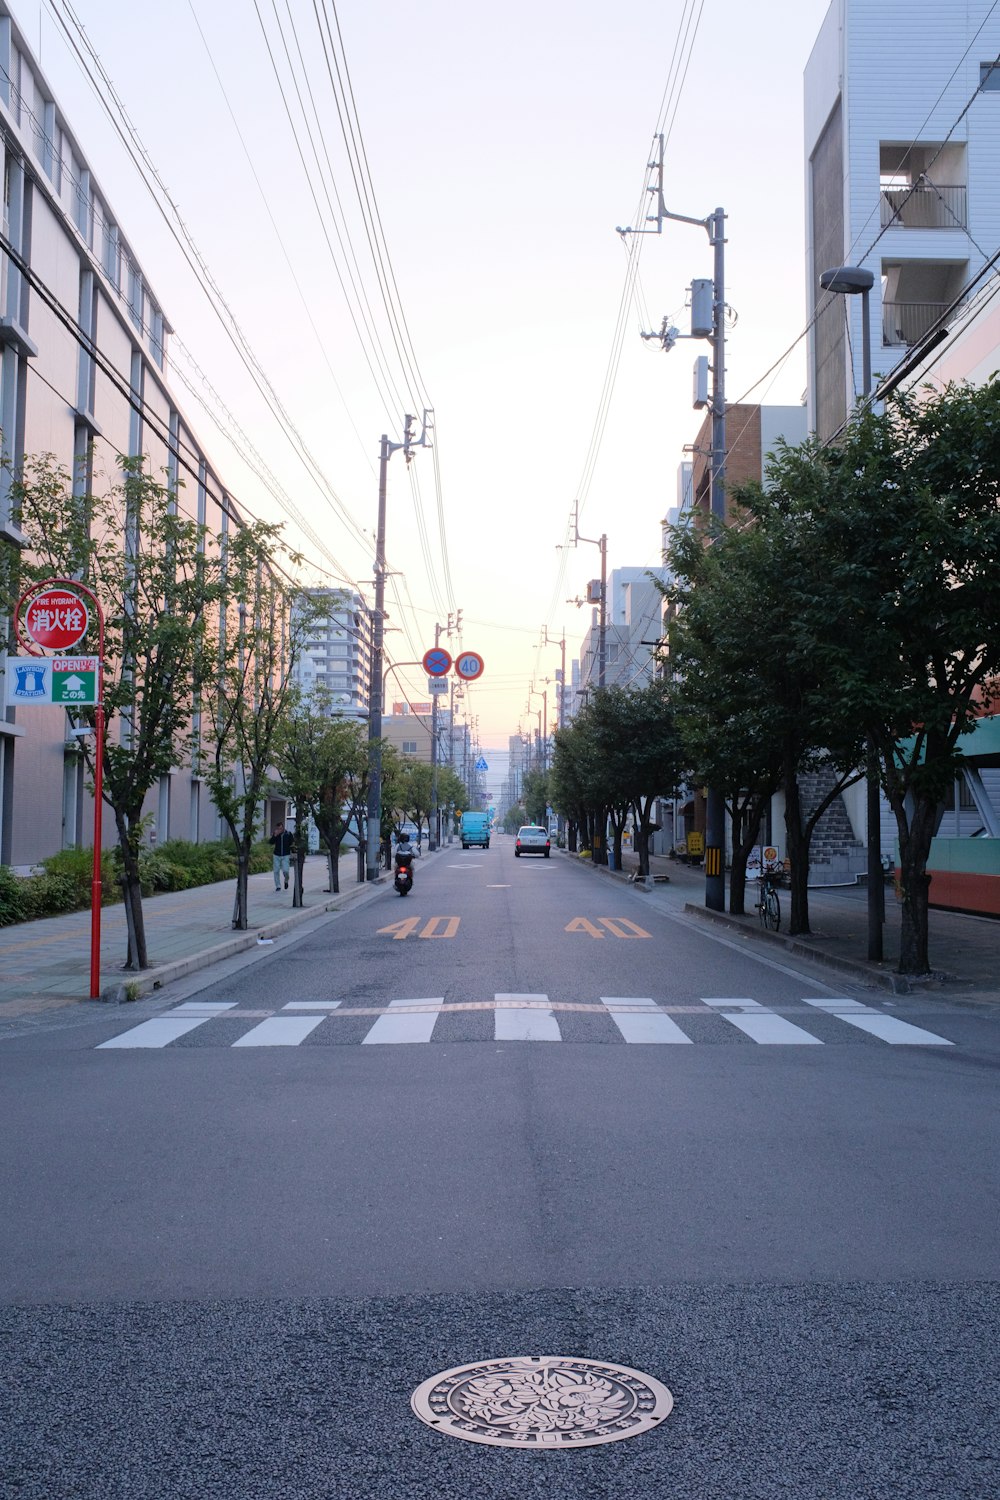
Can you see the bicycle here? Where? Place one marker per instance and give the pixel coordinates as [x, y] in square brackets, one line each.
[768, 906]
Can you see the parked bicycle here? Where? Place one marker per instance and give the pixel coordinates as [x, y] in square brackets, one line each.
[768, 906]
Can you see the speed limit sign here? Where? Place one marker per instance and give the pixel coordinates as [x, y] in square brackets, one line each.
[469, 665]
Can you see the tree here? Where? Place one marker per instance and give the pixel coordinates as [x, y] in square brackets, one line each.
[535, 795]
[264, 620]
[414, 793]
[754, 704]
[908, 537]
[156, 574]
[639, 750]
[322, 760]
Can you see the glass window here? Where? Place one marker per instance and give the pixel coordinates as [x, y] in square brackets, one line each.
[989, 77]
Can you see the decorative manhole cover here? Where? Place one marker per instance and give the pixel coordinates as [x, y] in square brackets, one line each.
[543, 1401]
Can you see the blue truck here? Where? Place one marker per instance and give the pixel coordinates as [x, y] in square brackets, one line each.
[475, 829]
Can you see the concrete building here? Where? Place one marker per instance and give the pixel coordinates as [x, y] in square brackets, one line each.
[337, 654]
[634, 611]
[902, 146]
[84, 375]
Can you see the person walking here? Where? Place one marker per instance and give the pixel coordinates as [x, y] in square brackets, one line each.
[281, 842]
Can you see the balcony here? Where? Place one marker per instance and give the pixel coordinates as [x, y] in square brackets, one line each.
[924, 206]
[905, 323]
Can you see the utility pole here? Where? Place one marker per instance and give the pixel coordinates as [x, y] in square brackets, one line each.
[374, 834]
[602, 626]
[454, 624]
[715, 331]
[548, 641]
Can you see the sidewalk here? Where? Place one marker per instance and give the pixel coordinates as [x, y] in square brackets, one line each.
[964, 950]
[45, 965]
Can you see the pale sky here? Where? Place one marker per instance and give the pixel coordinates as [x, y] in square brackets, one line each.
[504, 145]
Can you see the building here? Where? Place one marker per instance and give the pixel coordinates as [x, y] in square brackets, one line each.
[84, 375]
[632, 628]
[336, 656]
[902, 138]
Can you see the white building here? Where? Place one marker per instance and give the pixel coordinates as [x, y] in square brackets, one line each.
[336, 655]
[632, 628]
[902, 146]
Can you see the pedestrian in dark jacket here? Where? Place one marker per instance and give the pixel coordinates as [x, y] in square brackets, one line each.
[281, 842]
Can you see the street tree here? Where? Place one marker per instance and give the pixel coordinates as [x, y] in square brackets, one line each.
[321, 759]
[156, 574]
[264, 619]
[906, 523]
[752, 697]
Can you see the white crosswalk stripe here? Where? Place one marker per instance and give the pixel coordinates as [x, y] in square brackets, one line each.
[638, 1020]
[647, 1025]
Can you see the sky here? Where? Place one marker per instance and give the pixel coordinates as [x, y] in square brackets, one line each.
[501, 146]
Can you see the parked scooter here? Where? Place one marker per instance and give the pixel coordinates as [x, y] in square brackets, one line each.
[403, 881]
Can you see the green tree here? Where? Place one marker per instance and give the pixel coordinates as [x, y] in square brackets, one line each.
[535, 795]
[753, 701]
[322, 762]
[264, 620]
[907, 538]
[156, 574]
[414, 793]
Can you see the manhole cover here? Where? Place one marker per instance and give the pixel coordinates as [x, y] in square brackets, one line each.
[543, 1401]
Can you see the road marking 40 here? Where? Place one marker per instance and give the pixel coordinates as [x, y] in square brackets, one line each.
[432, 928]
[620, 927]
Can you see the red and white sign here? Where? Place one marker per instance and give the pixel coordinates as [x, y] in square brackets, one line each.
[56, 619]
[469, 665]
[437, 661]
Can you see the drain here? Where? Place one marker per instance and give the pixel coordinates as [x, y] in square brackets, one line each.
[542, 1402]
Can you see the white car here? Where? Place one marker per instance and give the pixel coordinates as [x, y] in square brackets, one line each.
[531, 839]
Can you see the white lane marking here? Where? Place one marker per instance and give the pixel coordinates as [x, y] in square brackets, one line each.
[512, 1023]
[323, 1005]
[159, 1032]
[656, 1027]
[837, 1005]
[415, 1026]
[763, 1026]
[498, 887]
[898, 1033]
[279, 1031]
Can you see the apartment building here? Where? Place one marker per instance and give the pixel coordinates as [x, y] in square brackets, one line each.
[336, 656]
[902, 146]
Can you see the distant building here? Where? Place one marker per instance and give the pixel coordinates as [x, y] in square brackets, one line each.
[336, 655]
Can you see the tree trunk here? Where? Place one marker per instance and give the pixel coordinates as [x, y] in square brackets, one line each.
[136, 956]
[297, 884]
[571, 837]
[914, 852]
[798, 855]
[240, 921]
[746, 822]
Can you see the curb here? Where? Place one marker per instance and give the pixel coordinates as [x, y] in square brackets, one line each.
[897, 984]
[146, 981]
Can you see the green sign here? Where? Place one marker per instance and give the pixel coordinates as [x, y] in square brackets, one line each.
[74, 680]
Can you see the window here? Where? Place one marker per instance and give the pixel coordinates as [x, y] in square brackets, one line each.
[989, 77]
[409, 747]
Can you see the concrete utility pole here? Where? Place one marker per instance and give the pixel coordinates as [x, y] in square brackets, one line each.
[714, 330]
[454, 624]
[602, 618]
[548, 641]
[374, 825]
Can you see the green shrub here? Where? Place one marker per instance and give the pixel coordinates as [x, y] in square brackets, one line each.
[78, 865]
[50, 895]
[11, 897]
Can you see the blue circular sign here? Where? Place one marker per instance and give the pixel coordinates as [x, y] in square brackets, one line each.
[437, 661]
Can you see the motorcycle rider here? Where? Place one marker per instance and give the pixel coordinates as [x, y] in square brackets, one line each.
[404, 855]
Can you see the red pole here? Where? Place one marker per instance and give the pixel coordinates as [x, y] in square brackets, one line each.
[95, 881]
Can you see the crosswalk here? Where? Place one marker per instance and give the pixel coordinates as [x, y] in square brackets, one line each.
[508, 1017]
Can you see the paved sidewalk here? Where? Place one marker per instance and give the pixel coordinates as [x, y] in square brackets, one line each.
[964, 950]
[45, 965]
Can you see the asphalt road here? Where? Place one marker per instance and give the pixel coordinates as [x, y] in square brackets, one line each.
[235, 1240]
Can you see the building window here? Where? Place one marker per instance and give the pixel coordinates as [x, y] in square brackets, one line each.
[989, 77]
[409, 747]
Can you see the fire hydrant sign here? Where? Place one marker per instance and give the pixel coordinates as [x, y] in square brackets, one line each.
[56, 619]
[67, 680]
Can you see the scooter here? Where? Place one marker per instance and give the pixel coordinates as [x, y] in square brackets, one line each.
[404, 872]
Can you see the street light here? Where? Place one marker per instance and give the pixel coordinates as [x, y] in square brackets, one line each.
[850, 281]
